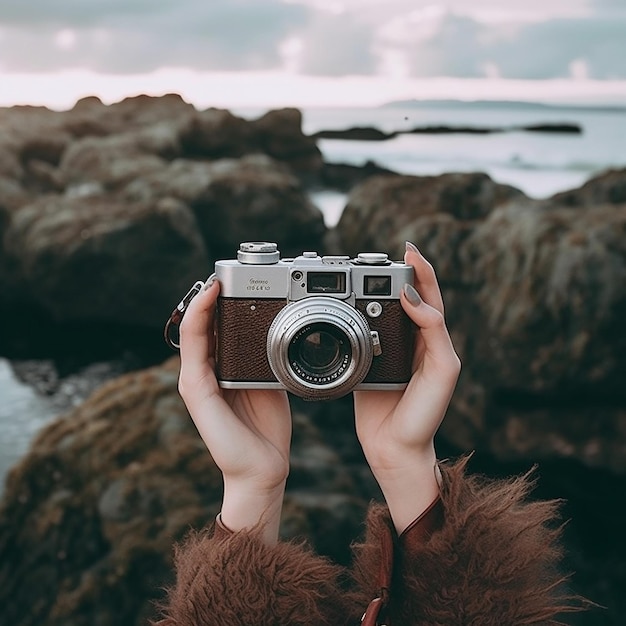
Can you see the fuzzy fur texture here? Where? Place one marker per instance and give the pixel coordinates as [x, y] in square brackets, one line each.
[494, 562]
[238, 581]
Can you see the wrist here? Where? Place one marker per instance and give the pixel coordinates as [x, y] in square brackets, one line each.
[246, 506]
[409, 487]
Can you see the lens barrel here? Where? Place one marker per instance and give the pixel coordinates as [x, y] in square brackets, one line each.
[319, 348]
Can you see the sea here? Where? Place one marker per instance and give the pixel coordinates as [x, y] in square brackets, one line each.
[539, 164]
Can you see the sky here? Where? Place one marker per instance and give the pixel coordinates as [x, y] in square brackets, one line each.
[312, 52]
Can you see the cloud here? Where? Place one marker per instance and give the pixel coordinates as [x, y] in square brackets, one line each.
[463, 47]
[337, 45]
[549, 49]
[118, 36]
[539, 39]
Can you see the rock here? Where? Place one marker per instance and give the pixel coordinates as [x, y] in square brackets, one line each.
[279, 134]
[234, 200]
[216, 134]
[89, 517]
[550, 290]
[539, 324]
[10, 166]
[535, 299]
[77, 189]
[435, 212]
[344, 177]
[47, 146]
[252, 200]
[606, 188]
[93, 513]
[12, 194]
[357, 133]
[368, 133]
[110, 162]
[102, 259]
[563, 127]
[42, 177]
[90, 117]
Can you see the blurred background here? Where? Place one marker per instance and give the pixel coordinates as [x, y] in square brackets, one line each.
[140, 141]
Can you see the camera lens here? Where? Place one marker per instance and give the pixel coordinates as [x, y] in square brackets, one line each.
[319, 348]
[319, 353]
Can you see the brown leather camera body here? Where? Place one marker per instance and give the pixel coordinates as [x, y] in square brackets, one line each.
[243, 325]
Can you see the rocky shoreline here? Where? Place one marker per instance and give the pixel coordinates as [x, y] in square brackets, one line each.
[109, 213]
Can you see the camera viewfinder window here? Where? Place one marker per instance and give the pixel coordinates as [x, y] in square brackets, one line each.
[326, 282]
[377, 285]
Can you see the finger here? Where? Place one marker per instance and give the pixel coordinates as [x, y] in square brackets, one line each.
[425, 277]
[197, 336]
[439, 348]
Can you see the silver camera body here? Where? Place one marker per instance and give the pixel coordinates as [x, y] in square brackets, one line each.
[316, 326]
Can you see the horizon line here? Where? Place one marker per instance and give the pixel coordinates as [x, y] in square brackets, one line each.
[61, 90]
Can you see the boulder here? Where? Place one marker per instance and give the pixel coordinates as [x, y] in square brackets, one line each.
[249, 199]
[435, 212]
[90, 117]
[116, 160]
[538, 324]
[549, 286]
[12, 194]
[104, 260]
[45, 144]
[606, 188]
[343, 176]
[535, 298]
[10, 165]
[89, 517]
[215, 134]
[279, 134]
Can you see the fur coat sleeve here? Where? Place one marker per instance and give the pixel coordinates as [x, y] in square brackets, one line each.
[492, 560]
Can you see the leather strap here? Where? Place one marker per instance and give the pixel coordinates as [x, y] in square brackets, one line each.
[419, 530]
[415, 535]
[370, 617]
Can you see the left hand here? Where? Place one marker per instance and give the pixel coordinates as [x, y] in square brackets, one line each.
[247, 431]
[396, 429]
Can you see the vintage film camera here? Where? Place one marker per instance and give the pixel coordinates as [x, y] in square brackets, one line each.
[319, 327]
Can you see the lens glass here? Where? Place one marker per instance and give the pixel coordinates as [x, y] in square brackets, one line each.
[320, 353]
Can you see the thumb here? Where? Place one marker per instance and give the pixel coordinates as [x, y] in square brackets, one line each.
[197, 341]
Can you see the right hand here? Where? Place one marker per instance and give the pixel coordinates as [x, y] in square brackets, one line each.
[247, 431]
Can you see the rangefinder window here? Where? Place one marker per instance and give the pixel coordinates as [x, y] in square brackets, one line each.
[377, 285]
[326, 282]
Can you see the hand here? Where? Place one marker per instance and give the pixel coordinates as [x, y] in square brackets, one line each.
[247, 431]
[397, 428]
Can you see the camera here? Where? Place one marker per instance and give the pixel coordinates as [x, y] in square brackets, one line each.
[318, 326]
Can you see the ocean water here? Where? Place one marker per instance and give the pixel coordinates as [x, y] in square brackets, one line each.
[22, 413]
[539, 164]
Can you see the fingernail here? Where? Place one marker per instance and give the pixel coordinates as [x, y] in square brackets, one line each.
[411, 247]
[411, 294]
[210, 280]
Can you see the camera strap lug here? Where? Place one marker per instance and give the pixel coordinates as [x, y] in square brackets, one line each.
[378, 350]
[179, 312]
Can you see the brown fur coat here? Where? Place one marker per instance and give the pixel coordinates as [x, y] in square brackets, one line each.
[494, 561]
